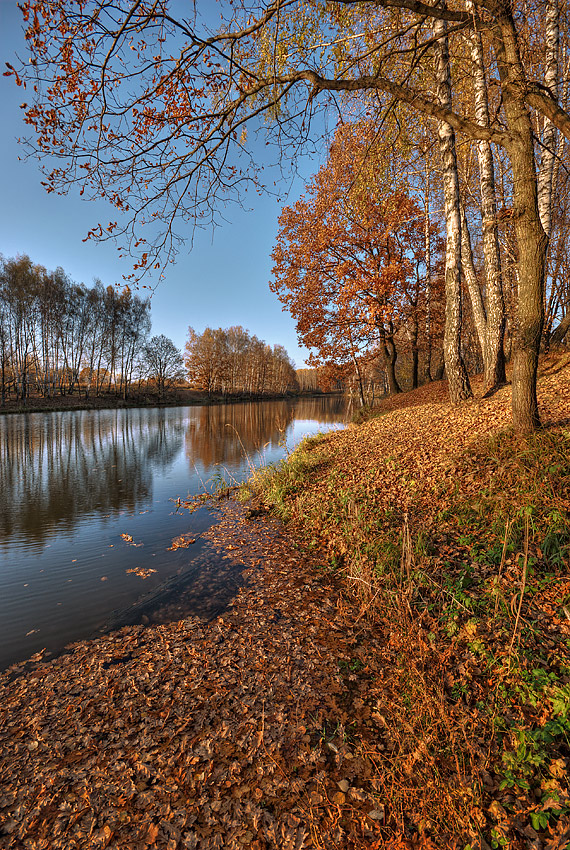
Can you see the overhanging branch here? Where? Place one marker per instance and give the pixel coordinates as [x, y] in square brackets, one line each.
[407, 95]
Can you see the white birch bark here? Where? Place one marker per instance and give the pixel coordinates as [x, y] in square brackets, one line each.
[558, 334]
[458, 380]
[427, 240]
[548, 151]
[473, 287]
[495, 318]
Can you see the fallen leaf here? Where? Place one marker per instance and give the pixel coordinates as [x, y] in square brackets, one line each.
[182, 542]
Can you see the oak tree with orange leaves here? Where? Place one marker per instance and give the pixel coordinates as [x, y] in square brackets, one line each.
[349, 255]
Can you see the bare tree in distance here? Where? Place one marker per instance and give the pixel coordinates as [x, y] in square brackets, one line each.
[164, 362]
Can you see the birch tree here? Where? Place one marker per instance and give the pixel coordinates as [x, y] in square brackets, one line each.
[489, 315]
[549, 136]
[459, 387]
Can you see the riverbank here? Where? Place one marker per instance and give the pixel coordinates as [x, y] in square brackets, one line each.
[180, 398]
[453, 535]
[395, 671]
[235, 733]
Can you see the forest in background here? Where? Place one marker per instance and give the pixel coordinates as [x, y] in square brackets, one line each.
[59, 339]
[231, 361]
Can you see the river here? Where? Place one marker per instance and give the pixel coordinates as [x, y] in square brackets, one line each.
[88, 511]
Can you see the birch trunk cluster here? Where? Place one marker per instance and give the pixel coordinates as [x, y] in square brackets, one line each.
[459, 388]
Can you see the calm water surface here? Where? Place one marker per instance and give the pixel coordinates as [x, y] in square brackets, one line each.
[72, 483]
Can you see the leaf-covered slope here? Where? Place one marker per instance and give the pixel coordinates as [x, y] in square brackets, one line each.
[453, 535]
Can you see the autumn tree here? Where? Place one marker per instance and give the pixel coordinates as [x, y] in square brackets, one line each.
[283, 375]
[148, 109]
[308, 380]
[346, 256]
[204, 358]
[232, 362]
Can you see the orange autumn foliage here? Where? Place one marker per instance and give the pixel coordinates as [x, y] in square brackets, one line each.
[349, 258]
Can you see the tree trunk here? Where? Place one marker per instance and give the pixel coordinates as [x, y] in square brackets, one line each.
[390, 356]
[531, 239]
[557, 336]
[493, 351]
[475, 295]
[359, 379]
[458, 380]
[440, 368]
[427, 240]
[548, 152]
[413, 334]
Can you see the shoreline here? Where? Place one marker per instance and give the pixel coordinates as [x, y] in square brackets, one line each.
[192, 399]
[231, 733]
[320, 709]
[176, 598]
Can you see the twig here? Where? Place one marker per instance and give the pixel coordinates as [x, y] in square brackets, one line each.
[406, 559]
[368, 584]
[501, 565]
[366, 607]
[448, 592]
[525, 564]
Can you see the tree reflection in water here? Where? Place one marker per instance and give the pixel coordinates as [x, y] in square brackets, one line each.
[86, 508]
[236, 433]
[57, 467]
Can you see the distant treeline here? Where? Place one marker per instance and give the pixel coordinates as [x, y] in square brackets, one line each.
[230, 361]
[309, 380]
[58, 336]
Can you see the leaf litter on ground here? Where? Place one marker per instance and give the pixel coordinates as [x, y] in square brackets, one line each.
[281, 723]
[225, 734]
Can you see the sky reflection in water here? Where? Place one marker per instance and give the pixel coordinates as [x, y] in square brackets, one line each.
[73, 482]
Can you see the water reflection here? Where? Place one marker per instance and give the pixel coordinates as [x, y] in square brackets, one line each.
[230, 434]
[226, 434]
[76, 485]
[57, 467]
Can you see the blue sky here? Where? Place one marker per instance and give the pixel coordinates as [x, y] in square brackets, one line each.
[223, 281]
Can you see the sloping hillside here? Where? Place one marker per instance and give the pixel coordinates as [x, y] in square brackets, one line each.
[453, 535]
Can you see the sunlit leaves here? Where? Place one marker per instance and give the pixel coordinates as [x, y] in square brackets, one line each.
[232, 361]
[348, 250]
